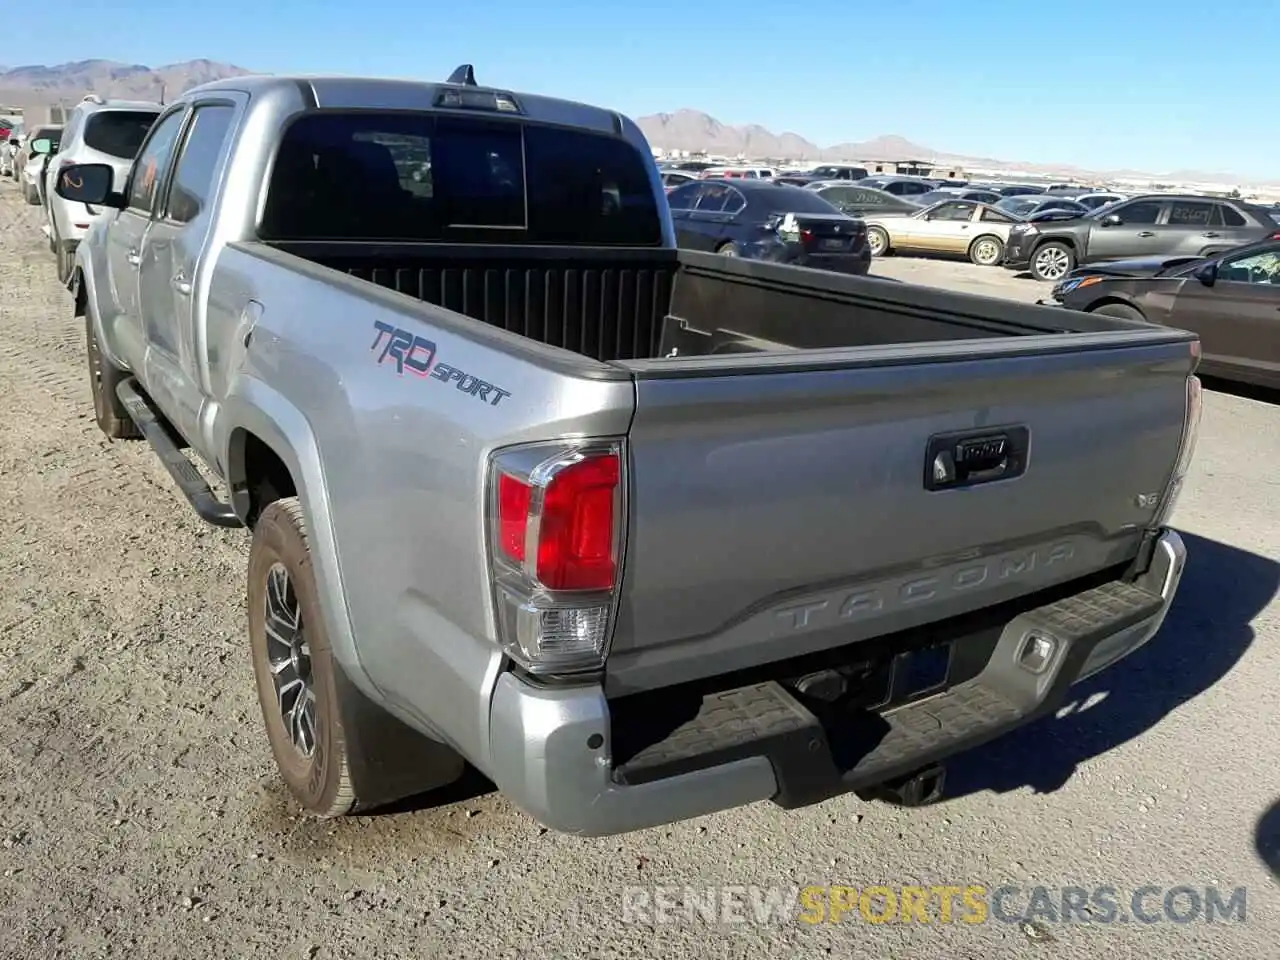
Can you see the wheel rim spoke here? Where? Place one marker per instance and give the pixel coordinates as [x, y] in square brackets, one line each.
[288, 655]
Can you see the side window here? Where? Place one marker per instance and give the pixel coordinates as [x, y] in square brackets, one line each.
[153, 161]
[990, 215]
[952, 211]
[1231, 217]
[713, 198]
[684, 197]
[1139, 213]
[198, 163]
[909, 188]
[734, 202]
[1190, 213]
[1252, 268]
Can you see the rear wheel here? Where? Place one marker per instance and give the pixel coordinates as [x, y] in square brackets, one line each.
[1120, 310]
[336, 751]
[986, 251]
[1052, 261]
[104, 377]
[877, 241]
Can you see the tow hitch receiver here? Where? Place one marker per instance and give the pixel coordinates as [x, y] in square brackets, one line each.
[917, 789]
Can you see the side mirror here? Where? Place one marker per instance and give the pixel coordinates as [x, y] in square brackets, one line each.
[1111, 220]
[43, 145]
[88, 183]
[1207, 273]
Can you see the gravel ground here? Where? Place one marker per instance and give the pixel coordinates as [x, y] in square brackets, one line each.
[140, 815]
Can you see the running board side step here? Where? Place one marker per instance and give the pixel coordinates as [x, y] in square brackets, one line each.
[193, 486]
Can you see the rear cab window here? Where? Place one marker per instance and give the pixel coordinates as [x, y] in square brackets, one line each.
[118, 133]
[398, 177]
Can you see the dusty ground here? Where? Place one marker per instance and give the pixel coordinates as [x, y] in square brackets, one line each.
[140, 816]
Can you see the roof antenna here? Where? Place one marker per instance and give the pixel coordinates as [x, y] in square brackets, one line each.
[464, 75]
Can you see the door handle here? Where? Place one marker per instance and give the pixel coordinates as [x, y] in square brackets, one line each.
[181, 284]
[1210, 234]
[133, 258]
[1146, 233]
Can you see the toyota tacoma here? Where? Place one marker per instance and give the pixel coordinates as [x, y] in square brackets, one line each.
[640, 533]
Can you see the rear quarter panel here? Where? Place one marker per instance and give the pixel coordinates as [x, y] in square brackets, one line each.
[392, 464]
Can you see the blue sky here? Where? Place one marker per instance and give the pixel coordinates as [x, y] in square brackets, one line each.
[1130, 83]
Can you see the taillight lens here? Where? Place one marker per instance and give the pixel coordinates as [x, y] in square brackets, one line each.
[1187, 450]
[575, 542]
[513, 516]
[555, 529]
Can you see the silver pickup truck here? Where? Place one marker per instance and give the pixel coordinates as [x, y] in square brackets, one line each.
[639, 533]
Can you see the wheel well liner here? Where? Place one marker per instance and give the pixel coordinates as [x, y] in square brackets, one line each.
[257, 476]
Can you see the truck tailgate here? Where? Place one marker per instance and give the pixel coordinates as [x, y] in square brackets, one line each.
[780, 506]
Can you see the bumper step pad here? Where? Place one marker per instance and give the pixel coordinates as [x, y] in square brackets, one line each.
[816, 758]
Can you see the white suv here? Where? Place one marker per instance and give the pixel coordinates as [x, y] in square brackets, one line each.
[97, 131]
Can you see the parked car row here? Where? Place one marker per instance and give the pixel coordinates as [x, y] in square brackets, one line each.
[1147, 226]
[100, 131]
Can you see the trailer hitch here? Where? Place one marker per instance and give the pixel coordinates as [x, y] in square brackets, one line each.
[916, 789]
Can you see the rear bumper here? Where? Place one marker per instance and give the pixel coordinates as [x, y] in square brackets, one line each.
[857, 262]
[759, 742]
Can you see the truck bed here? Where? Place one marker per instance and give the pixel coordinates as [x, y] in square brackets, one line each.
[783, 501]
[636, 304]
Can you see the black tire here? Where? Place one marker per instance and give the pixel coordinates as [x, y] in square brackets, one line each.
[979, 251]
[360, 757]
[878, 236]
[1121, 310]
[104, 377]
[1060, 255]
[727, 250]
[31, 196]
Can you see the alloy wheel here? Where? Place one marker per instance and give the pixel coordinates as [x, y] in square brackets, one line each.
[289, 655]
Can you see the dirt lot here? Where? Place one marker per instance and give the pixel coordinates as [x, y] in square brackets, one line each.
[140, 816]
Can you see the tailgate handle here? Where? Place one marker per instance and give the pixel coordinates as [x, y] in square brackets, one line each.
[955, 460]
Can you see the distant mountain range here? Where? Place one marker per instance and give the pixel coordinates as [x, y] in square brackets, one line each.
[108, 78]
[682, 130]
[698, 132]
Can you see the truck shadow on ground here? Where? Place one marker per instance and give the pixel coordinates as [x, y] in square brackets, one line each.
[1205, 634]
[1246, 391]
[1266, 839]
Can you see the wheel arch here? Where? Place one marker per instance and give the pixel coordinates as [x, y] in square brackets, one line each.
[1111, 300]
[270, 453]
[1067, 240]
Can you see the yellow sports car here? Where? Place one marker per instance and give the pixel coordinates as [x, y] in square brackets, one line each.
[977, 230]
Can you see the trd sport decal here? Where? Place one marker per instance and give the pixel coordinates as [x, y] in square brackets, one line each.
[418, 356]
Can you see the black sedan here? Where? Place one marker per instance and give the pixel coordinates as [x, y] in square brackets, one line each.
[1231, 299]
[764, 220]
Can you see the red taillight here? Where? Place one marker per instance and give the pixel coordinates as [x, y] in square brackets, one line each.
[576, 534]
[575, 529]
[513, 516]
[555, 533]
